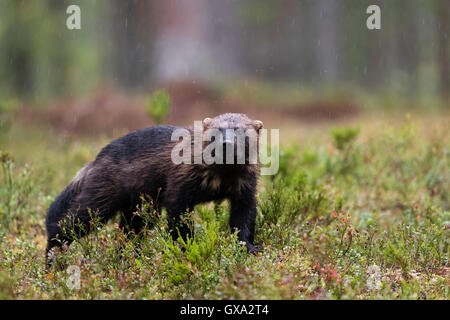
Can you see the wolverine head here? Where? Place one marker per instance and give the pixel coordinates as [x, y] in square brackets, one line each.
[232, 137]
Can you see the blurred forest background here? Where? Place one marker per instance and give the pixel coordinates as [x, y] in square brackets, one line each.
[316, 56]
[359, 208]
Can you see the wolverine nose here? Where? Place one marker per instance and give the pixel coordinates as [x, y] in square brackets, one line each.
[231, 141]
[228, 148]
[228, 145]
[228, 142]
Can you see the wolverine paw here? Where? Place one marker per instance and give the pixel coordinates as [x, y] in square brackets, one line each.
[253, 249]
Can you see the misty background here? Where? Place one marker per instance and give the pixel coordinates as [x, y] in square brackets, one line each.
[305, 45]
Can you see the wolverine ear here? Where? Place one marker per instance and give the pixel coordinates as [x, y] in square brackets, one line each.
[258, 124]
[207, 122]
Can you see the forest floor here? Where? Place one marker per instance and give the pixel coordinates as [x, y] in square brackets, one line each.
[358, 210]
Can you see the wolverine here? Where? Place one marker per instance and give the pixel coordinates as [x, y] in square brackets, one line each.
[141, 163]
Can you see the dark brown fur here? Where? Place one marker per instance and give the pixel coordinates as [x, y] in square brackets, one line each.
[139, 163]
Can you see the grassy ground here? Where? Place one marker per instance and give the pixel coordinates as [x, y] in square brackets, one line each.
[358, 211]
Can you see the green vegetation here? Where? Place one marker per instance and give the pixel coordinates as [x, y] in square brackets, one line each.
[354, 213]
[158, 106]
[358, 210]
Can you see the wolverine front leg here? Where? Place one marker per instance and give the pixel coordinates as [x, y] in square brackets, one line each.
[242, 218]
[176, 201]
[178, 225]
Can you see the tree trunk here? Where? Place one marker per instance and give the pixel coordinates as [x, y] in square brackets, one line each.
[442, 10]
[132, 35]
[327, 49]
